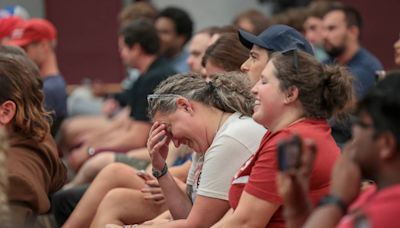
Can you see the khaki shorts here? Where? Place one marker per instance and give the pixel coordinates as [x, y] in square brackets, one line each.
[138, 164]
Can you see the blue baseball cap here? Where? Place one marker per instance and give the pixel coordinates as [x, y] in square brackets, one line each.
[277, 38]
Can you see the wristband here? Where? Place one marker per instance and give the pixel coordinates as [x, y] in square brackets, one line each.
[331, 199]
[159, 173]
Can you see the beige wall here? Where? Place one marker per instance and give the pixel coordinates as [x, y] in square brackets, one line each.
[34, 7]
[213, 12]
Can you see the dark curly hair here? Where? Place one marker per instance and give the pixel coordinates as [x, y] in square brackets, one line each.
[182, 20]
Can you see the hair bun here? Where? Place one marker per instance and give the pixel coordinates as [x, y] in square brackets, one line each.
[336, 84]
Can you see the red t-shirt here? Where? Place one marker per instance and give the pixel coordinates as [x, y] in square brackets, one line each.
[257, 175]
[375, 208]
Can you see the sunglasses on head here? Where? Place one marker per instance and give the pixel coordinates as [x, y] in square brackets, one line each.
[154, 97]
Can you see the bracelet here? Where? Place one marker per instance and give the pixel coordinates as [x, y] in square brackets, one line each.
[331, 199]
[159, 173]
[91, 151]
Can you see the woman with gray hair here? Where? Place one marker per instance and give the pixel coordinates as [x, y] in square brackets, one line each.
[213, 119]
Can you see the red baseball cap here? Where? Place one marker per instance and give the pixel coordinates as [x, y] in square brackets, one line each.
[33, 30]
[8, 24]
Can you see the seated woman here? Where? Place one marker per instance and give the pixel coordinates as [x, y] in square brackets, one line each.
[225, 55]
[295, 95]
[33, 166]
[218, 54]
[209, 117]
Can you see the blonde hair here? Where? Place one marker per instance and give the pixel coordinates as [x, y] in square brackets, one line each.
[228, 92]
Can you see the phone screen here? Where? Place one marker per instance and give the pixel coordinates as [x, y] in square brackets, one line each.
[289, 154]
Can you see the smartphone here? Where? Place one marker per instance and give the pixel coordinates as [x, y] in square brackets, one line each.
[289, 153]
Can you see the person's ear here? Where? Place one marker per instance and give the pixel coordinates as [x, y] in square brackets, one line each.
[387, 145]
[7, 112]
[354, 32]
[292, 93]
[183, 103]
[44, 45]
[135, 48]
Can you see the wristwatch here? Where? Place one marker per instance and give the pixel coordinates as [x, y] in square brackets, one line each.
[331, 199]
[159, 173]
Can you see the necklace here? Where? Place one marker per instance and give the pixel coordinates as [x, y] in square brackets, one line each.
[220, 121]
[218, 127]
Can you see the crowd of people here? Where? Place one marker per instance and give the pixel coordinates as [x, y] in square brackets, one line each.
[285, 121]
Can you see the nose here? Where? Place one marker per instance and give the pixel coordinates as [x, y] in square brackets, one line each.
[254, 90]
[189, 61]
[324, 33]
[245, 66]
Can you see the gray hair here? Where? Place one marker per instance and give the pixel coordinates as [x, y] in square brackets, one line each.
[228, 92]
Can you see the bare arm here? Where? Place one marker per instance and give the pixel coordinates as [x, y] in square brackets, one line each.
[251, 212]
[205, 212]
[177, 201]
[224, 219]
[121, 120]
[297, 205]
[326, 216]
[345, 184]
[124, 140]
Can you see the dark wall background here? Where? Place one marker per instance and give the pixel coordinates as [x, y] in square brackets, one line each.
[87, 39]
[88, 34]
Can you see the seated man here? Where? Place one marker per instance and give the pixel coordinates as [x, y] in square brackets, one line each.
[38, 38]
[139, 46]
[174, 27]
